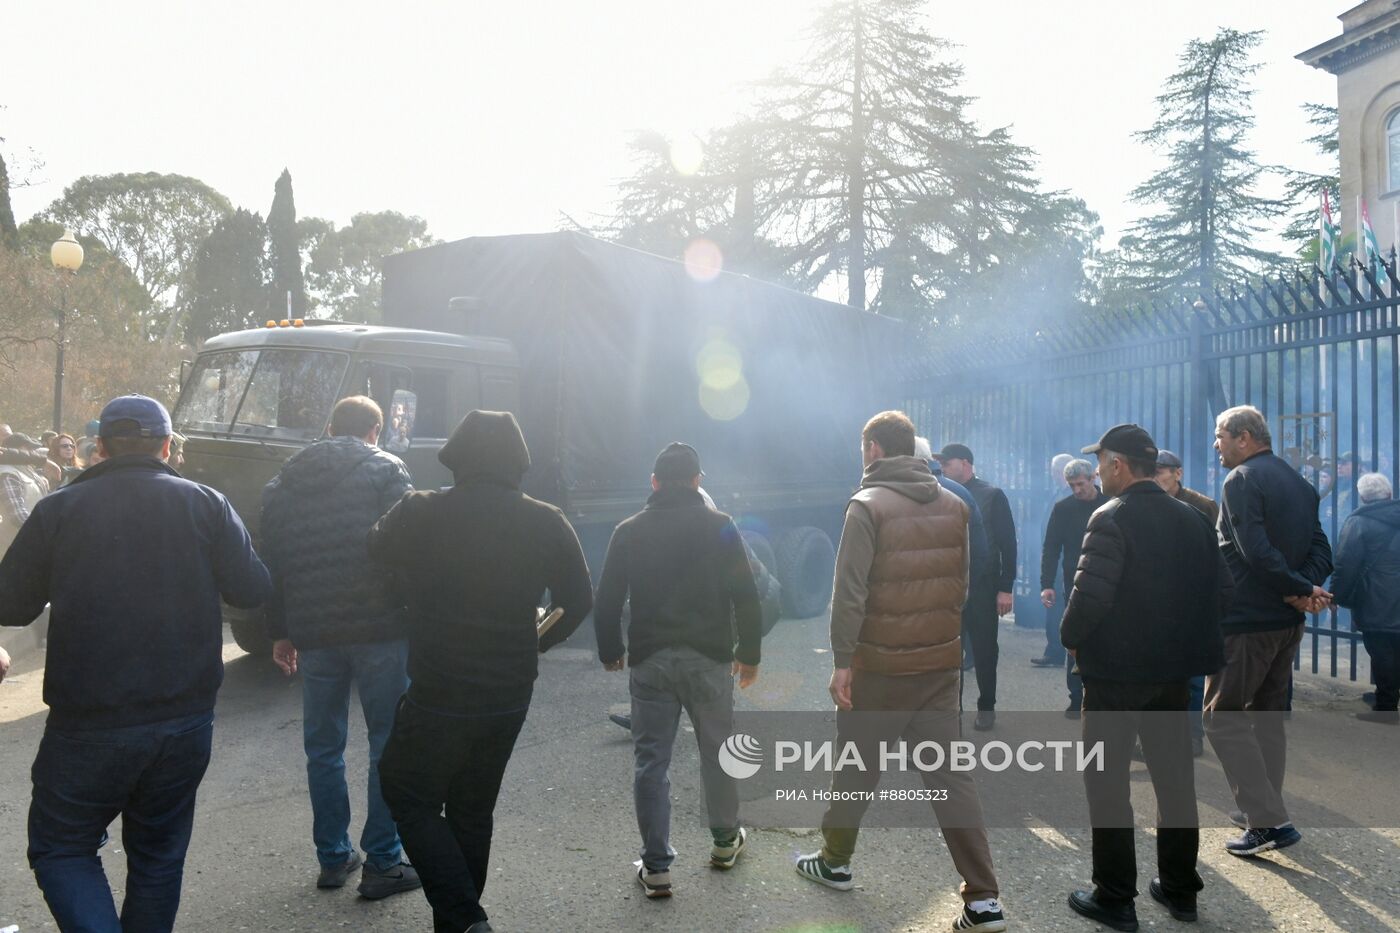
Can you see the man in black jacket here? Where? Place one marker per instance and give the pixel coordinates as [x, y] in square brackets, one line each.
[334, 618]
[1279, 556]
[1367, 581]
[1064, 536]
[684, 567]
[475, 561]
[133, 560]
[1142, 619]
[986, 601]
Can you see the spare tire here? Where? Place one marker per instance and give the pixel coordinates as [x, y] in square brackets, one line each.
[806, 562]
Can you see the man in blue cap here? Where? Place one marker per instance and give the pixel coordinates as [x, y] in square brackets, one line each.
[132, 559]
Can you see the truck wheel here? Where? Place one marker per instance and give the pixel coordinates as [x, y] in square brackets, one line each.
[806, 561]
[250, 634]
[761, 549]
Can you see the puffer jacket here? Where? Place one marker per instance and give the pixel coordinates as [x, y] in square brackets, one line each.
[1149, 592]
[901, 573]
[1367, 576]
[316, 514]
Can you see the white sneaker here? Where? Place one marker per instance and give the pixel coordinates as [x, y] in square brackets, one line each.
[725, 856]
[655, 883]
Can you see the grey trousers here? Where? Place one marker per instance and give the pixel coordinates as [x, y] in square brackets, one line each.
[665, 683]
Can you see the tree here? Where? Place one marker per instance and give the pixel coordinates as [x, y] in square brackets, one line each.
[285, 252]
[8, 230]
[1302, 191]
[231, 274]
[1208, 211]
[344, 271]
[154, 224]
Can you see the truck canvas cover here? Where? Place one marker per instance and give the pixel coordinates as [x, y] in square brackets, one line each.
[623, 352]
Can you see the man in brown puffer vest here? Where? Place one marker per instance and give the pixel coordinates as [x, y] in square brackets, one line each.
[896, 619]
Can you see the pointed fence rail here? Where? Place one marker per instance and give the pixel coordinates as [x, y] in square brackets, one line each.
[1318, 352]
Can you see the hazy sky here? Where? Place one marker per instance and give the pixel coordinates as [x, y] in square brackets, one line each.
[489, 118]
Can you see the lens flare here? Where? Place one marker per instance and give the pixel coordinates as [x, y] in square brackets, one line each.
[719, 364]
[687, 153]
[703, 260]
[727, 403]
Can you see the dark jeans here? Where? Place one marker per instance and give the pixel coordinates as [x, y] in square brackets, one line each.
[440, 776]
[1384, 649]
[1116, 713]
[1244, 705]
[84, 779]
[1053, 649]
[979, 626]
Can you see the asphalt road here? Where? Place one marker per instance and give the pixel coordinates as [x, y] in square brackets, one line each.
[565, 836]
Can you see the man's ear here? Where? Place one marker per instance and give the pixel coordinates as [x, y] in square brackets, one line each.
[654, 484]
[165, 448]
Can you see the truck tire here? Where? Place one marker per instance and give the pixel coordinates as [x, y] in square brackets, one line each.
[761, 549]
[806, 561]
[770, 602]
[250, 634]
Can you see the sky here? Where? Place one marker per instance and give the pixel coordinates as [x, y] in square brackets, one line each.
[493, 118]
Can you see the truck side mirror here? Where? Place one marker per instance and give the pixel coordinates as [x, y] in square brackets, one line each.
[398, 429]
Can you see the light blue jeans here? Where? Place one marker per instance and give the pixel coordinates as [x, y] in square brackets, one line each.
[379, 671]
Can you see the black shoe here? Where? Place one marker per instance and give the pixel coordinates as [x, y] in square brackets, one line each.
[1115, 916]
[1180, 907]
[1047, 662]
[991, 920]
[985, 720]
[623, 721]
[1389, 717]
[1369, 698]
[481, 926]
[378, 883]
[336, 875]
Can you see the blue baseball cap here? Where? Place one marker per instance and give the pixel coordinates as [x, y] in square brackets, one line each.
[134, 416]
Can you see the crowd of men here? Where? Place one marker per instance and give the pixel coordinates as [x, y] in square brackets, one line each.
[428, 605]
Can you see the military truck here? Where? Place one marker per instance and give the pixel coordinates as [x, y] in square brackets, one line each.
[605, 354]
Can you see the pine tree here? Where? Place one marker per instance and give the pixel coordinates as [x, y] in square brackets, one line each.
[285, 252]
[1303, 189]
[8, 230]
[1208, 212]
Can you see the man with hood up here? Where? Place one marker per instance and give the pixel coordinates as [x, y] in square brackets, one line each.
[475, 561]
[334, 617]
[896, 621]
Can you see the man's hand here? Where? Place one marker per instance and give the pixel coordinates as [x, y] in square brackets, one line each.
[284, 655]
[4, 663]
[840, 687]
[1047, 597]
[1003, 603]
[615, 665]
[1316, 601]
[748, 673]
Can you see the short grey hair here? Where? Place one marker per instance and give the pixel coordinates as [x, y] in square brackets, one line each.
[1244, 418]
[1077, 468]
[1373, 487]
[922, 448]
[1060, 461]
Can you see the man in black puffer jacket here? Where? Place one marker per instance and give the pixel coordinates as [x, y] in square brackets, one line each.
[334, 617]
[1142, 619]
[476, 560]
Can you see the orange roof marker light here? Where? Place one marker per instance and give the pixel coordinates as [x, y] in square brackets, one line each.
[299, 322]
[284, 323]
[271, 323]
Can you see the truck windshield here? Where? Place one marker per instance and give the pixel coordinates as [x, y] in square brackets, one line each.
[265, 393]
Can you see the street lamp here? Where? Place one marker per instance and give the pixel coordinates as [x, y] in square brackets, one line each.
[67, 256]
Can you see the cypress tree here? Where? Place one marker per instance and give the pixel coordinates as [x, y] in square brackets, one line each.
[284, 251]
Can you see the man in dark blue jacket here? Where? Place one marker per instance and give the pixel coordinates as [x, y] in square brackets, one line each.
[1279, 557]
[133, 560]
[334, 617]
[1367, 580]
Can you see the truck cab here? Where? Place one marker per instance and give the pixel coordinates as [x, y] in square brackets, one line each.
[254, 398]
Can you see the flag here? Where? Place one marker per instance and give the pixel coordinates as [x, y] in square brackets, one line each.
[1327, 235]
[1370, 246]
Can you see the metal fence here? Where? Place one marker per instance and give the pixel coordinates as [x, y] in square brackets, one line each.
[1317, 353]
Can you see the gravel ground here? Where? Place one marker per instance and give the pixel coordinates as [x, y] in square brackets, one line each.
[565, 835]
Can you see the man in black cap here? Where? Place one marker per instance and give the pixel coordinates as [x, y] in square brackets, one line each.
[475, 561]
[1143, 618]
[1168, 476]
[133, 560]
[684, 567]
[986, 601]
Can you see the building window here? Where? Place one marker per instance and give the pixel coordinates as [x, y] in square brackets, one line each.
[1392, 148]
